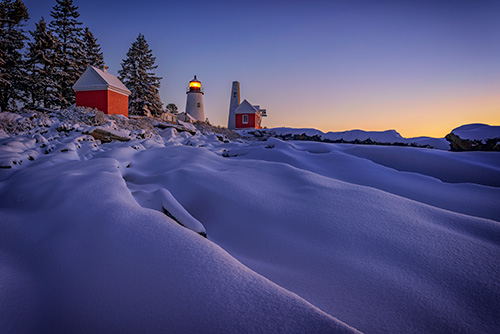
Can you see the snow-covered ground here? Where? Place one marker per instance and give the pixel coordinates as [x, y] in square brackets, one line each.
[303, 237]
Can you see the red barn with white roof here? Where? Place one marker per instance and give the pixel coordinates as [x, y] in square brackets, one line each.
[102, 90]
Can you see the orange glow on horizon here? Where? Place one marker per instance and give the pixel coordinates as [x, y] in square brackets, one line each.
[427, 117]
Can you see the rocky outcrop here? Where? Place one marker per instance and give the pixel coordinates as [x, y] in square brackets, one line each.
[475, 137]
[458, 144]
[108, 136]
[179, 128]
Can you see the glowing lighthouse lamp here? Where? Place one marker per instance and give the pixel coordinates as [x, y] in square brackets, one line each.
[194, 103]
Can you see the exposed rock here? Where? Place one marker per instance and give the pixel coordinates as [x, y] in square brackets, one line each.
[134, 122]
[108, 136]
[179, 128]
[459, 144]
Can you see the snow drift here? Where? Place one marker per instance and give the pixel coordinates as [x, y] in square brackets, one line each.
[386, 239]
[80, 256]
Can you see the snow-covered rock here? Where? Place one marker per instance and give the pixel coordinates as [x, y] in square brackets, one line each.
[108, 135]
[475, 137]
[477, 131]
[187, 125]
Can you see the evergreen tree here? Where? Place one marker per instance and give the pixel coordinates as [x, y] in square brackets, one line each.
[92, 50]
[138, 75]
[13, 16]
[172, 108]
[70, 59]
[41, 56]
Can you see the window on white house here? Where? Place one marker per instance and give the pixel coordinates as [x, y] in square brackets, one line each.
[245, 119]
[198, 105]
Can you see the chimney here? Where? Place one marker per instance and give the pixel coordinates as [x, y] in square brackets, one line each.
[104, 68]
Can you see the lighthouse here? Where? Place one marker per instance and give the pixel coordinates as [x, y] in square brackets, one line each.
[194, 102]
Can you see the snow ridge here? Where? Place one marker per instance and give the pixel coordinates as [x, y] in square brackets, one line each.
[301, 236]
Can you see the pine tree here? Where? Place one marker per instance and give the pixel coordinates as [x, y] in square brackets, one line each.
[138, 75]
[70, 59]
[92, 50]
[40, 64]
[172, 108]
[13, 16]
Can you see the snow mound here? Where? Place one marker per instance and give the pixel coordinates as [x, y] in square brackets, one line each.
[161, 199]
[78, 255]
[477, 132]
[345, 232]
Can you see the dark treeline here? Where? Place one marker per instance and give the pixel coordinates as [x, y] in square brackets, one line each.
[39, 68]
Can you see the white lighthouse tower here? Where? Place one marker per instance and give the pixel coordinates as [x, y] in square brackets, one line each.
[194, 102]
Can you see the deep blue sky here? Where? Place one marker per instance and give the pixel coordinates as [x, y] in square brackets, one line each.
[420, 67]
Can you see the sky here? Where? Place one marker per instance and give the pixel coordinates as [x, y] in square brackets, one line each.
[419, 67]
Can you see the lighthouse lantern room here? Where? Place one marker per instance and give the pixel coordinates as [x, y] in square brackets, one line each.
[194, 102]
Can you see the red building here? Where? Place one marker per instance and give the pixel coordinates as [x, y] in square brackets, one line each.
[102, 90]
[248, 116]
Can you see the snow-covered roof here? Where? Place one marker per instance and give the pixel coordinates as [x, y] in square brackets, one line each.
[96, 79]
[245, 108]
